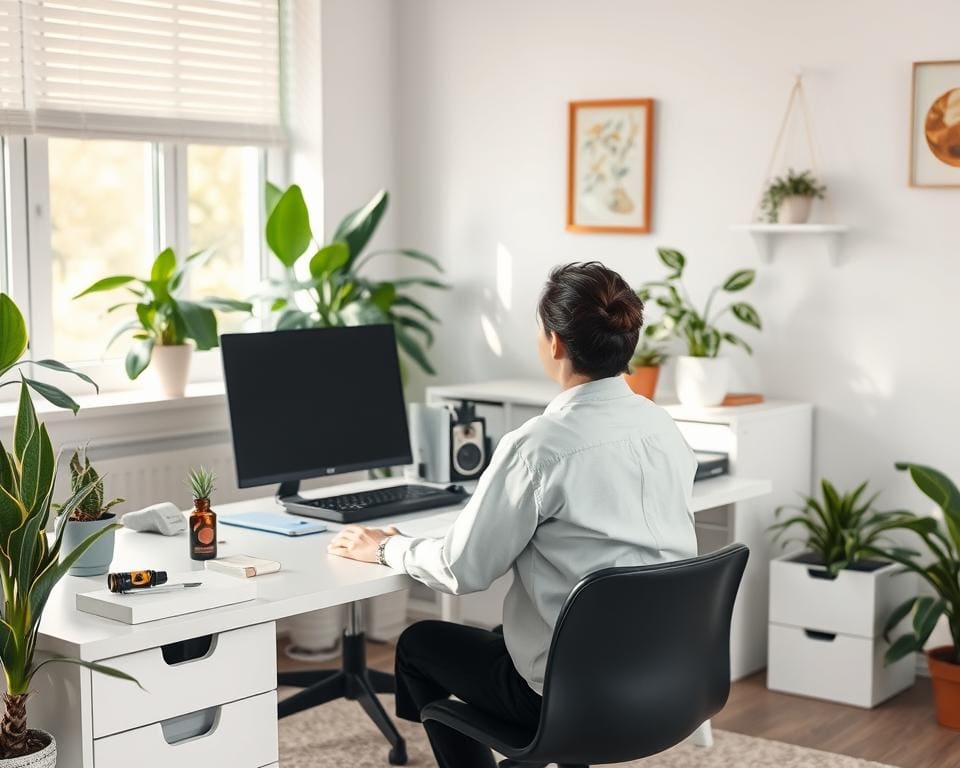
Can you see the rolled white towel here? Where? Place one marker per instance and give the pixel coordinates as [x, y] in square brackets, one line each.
[163, 518]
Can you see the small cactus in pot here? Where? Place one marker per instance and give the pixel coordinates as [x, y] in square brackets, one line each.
[91, 515]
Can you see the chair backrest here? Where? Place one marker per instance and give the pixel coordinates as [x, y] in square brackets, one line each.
[640, 657]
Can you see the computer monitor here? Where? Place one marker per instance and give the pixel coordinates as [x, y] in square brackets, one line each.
[314, 402]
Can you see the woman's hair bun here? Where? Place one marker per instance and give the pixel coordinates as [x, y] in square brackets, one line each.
[623, 316]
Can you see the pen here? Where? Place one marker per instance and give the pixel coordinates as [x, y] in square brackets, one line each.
[167, 588]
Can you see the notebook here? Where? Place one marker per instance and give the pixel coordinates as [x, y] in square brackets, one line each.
[275, 522]
[217, 590]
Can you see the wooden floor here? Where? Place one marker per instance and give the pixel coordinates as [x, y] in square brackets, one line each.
[901, 732]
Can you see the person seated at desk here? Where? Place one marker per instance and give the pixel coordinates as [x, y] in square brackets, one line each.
[602, 478]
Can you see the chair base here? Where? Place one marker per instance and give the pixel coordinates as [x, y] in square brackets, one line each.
[515, 764]
[353, 681]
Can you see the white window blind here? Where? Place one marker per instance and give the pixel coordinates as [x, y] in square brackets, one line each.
[13, 114]
[197, 70]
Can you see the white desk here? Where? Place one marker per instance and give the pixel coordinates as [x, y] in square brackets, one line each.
[93, 716]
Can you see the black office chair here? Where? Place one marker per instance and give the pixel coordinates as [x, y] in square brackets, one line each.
[640, 658]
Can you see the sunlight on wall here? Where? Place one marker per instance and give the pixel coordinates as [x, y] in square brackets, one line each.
[491, 335]
[504, 276]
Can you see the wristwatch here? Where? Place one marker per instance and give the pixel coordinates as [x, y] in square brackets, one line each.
[381, 552]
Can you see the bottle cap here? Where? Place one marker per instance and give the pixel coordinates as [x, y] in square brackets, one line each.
[161, 578]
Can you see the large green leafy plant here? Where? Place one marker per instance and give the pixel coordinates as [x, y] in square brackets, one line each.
[30, 563]
[334, 287]
[840, 529]
[681, 318]
[163, 316]
[940, 569]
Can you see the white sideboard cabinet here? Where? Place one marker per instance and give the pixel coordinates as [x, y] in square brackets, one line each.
[770, 441]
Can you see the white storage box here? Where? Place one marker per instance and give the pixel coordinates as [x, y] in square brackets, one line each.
[826, 633]
[835, 667]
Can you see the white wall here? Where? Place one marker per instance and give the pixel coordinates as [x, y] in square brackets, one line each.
[484, 89]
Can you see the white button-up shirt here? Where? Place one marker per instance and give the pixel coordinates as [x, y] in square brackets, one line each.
[602, 478]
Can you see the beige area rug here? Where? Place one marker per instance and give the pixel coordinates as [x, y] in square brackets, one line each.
[339, 734]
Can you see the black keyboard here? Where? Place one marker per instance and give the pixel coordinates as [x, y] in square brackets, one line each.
[379, 502]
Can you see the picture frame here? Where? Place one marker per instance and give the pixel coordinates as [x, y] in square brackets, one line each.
[935, 125]
[610, 165]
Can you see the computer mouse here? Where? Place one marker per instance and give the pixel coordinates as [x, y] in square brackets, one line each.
[457, 489]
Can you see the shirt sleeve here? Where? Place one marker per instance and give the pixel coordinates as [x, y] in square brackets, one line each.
[487, 536]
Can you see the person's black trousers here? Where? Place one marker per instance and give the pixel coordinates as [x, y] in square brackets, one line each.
[436, 660]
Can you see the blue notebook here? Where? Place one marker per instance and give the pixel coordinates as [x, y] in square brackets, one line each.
[275, 522]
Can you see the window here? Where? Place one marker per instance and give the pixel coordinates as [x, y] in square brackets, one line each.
[101, 223]
[224, 190]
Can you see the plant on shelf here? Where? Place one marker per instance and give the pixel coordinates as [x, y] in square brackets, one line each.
[836, 585]
[787, 199]
[940, 569]
[165, 322]
[91, 515]
[643, 370]
[839, 530]
[701, 377]
[334, 286]
[30, 560]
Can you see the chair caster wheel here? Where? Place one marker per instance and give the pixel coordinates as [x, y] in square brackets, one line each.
[398, 754]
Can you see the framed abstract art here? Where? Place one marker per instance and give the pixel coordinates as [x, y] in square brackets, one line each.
[610, 154]
[935, 131]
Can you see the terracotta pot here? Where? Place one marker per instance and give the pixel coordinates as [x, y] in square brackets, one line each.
[946, 685]
[643, 380]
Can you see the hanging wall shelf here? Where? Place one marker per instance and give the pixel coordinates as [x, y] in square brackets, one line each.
[766, 236]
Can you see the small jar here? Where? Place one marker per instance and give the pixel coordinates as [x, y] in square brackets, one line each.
[203, 531]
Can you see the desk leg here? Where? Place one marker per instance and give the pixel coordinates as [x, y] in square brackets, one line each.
[703, 736]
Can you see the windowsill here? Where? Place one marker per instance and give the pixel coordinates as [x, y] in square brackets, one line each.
[118, 403]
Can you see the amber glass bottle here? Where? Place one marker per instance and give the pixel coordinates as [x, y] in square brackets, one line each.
[203, 531]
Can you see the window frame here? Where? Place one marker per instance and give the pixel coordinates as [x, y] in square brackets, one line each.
[25, 241]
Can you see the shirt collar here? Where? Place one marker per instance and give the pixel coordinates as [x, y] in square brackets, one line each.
[608, 388]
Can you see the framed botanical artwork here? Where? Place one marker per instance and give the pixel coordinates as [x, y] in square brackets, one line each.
[935, 132]
[610, 155]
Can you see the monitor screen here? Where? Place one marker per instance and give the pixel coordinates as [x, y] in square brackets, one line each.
[314, 402]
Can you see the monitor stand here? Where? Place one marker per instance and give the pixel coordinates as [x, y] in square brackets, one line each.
[288, 494]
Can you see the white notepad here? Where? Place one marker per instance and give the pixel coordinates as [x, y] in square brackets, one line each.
[217, 590]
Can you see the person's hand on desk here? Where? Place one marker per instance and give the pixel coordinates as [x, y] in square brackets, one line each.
[357, 542]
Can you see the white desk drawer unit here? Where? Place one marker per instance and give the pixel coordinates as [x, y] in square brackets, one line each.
[185, 677]
[240, 734]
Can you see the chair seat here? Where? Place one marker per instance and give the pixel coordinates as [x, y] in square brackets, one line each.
[509, 739]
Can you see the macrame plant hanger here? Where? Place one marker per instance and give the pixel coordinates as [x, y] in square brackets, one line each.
[797, 102]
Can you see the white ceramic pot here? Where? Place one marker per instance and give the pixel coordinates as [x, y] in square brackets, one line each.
[96, 560]
[702, 381]
[45, 758]
[171, 366]
[794, 209]
[315, 636]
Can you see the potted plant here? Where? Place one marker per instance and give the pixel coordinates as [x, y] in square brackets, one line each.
[89, 517]
[788, 199]
[702, 376]
[336, 288]
[165, 323]
[30, 562]
[939, 569]
[830, 601]
[644, 369]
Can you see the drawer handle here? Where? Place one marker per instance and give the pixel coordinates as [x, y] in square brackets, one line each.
[194, 725]
[825, 637]
[820, 573]
[192, 649]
